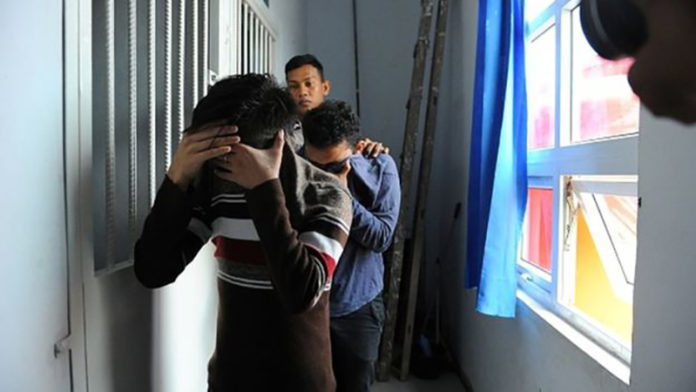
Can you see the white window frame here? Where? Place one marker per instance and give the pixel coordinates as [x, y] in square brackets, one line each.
[615, 159]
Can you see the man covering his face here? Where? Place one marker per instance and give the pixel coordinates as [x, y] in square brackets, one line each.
[279, 226]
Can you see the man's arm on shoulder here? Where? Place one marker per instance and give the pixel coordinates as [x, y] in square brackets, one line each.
[171, 237]
[371, 148]
[374, 227]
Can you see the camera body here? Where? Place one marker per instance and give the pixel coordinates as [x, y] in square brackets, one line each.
[614, 28]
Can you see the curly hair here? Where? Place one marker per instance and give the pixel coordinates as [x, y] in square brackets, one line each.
[331, 123]
[253, 102]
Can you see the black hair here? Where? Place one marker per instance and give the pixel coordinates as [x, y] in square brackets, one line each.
[304, 59]
[331, 123]
[253, 102]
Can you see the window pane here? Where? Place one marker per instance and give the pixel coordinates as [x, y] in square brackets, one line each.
[532, 8]
[604, 243]
[620, 215]
[603, 103]
[541, 89]
[536, 241]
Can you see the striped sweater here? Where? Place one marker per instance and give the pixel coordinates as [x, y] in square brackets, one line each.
[277, 246]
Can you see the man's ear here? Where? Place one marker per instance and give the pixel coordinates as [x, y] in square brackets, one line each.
[326, 85]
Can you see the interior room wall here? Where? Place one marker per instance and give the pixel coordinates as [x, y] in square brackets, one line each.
[33, 252]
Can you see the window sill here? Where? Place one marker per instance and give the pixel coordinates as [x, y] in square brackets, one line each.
[612, 364]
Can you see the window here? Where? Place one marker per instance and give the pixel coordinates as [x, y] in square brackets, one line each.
[147, 62]
[578, 247]
[243, 38]
[148, 73]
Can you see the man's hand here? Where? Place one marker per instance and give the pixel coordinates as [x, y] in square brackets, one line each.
[343, 174]
[251, 167]
[195, 148]
[371, 148]
[664, 72]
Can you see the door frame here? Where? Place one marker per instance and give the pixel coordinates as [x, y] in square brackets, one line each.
[77, 87]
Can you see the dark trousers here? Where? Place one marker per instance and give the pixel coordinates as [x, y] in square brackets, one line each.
[355, 346]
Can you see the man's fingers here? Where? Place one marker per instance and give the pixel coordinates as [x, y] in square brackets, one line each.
[367, 150]
[386, 150]
[213, 132]
[345, 169]
[216, 142]
[279, 140]
[214, 152]
[377, 150]
[359, 147]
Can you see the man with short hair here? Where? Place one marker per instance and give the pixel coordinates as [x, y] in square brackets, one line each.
[304, 75]
[357, 310]
[279, 226]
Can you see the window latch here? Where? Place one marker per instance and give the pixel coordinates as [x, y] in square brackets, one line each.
[62, 346]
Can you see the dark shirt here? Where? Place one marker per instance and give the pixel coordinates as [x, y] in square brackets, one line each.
[359, 276]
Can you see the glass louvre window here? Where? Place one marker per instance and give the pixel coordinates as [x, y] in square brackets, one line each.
[603, 103]
[538, 225]
[620, 216]
[600, 255]
[541, 89]
[533, 8]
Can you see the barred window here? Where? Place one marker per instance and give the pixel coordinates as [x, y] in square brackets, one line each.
[243, 37]
[148, 59]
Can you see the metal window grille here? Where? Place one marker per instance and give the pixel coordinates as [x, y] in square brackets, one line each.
[147, 62]
[242, 37]
[256, 40]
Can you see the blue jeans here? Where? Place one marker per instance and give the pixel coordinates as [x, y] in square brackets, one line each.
[355, 346]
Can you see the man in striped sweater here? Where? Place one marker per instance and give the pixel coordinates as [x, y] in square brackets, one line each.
[279, 226]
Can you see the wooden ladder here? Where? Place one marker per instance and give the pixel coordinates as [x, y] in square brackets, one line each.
[393, 274]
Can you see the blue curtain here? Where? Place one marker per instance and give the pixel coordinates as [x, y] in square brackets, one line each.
[498, 157]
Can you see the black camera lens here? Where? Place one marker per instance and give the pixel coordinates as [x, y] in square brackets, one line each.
[614, 28]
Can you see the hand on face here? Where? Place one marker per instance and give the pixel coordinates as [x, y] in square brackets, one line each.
[343, 174]
[250, 167]
[198, 146]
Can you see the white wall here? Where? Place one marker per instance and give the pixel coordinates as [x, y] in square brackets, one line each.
[387, 32]
[33, 254]
[290, 19]
[664, 348]
[330, 38]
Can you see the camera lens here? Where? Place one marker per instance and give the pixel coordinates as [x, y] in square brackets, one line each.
[614, 28]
